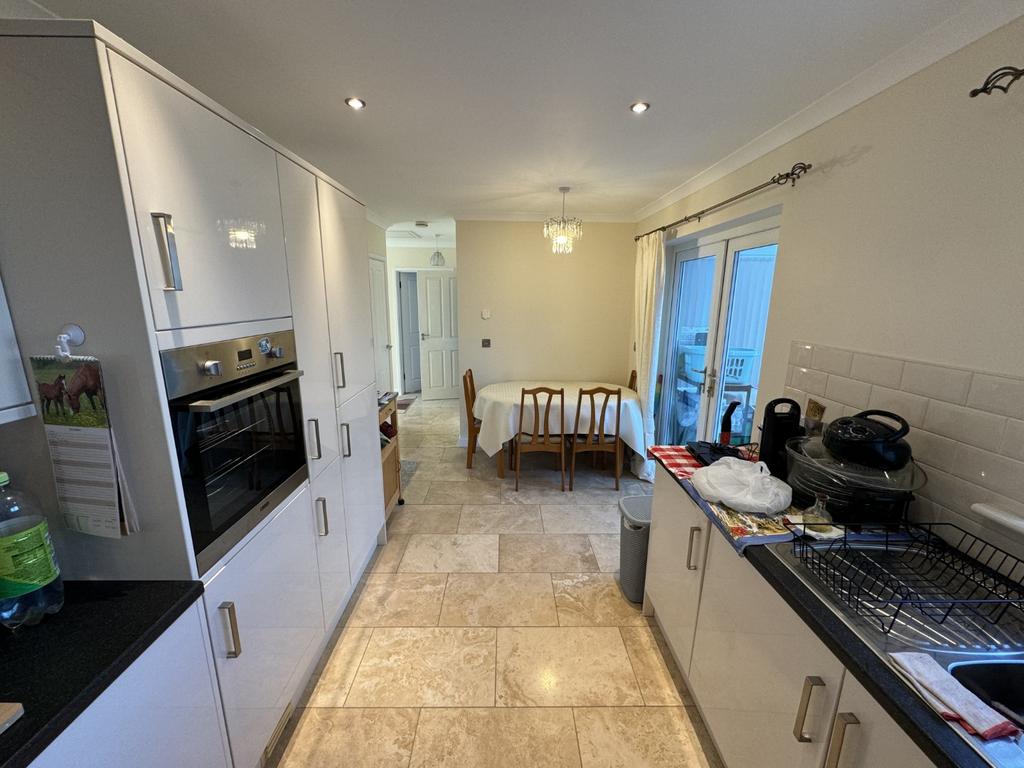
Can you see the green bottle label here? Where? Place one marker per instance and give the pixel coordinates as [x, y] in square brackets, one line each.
[27, 561]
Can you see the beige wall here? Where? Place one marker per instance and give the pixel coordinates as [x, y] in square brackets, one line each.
[376, 243]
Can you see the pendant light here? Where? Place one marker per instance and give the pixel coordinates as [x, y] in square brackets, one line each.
[562, 231]
[436, 258]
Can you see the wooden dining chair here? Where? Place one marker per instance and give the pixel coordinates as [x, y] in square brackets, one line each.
[632, 380]
[539, 438]
[598, 438]
[473, 423]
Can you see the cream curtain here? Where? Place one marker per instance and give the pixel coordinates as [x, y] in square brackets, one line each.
[648, 298]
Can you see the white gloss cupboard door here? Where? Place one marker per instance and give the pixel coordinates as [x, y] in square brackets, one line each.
[15, 400]
[161, 712]
[864, 736]
[331, 542]
[362, 478]
[266, 625]
[309, 312]
[207, 206]
[675, 564]
[754, 662]
[347, 275]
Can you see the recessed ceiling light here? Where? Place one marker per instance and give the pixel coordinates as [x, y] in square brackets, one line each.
[356, 103]
[639, 107]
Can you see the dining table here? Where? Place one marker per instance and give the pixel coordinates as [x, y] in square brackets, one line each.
[497, 407]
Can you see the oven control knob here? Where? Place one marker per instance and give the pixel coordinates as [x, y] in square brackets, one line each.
[211, 368]
[276, 352]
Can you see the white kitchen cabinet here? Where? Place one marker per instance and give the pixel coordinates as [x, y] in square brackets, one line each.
[309, 312]
[675, 564]
[15, 399]
[347, 275]
[331, 543]
[161, 712]
[362, 481]
[217, 253]
[754, 661]
[864, 736]
[266, 626]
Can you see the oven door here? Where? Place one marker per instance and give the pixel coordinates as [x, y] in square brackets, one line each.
[241, 453]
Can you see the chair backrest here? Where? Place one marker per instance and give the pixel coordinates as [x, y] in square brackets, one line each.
[469, 390]
[536, 435]
[598, 428]
[632, 380]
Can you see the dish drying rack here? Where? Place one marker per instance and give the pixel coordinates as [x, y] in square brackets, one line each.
[919, 577]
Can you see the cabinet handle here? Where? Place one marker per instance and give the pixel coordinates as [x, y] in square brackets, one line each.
[339, 369]
[236, 640]
[689, 549]
[168, 251]
[810, 683]
[315, 423]
[835, 747]
[347, 451]
[325, 525]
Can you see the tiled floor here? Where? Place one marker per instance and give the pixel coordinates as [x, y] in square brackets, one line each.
[490, 631]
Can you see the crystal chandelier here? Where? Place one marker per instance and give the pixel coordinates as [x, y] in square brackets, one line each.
[563, 231]
[436, 258]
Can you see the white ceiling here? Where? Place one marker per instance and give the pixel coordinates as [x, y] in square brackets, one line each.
[481, 108]
[405, 234]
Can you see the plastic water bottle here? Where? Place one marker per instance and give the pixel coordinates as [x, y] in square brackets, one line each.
[30, 583]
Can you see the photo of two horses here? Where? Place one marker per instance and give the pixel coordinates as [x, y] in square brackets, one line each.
[70, 393]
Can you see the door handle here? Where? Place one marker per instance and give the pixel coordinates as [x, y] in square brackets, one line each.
[424, 336]
[689, 549]
[347, 451]
[236, 641]
[315, 423]
[810, 683]
[325, 524]
[712, 377]
[168, 251]
[835, 747]
[339, 369]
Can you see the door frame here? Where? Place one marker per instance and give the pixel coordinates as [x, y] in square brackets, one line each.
[387, 326]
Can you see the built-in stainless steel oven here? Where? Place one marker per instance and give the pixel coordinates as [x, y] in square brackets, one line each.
[237, 421]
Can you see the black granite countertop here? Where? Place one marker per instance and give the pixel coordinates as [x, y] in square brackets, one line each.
[57, 668]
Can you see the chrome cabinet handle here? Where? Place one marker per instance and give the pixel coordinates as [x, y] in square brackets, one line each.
[325, 524]
[315, 423]
[236, 640]
[810, 683]
[168, 251]
[339, 369]
[835, 747]
[348, 440]
[689, 549]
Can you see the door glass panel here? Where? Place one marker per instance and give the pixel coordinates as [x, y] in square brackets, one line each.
[747, 318]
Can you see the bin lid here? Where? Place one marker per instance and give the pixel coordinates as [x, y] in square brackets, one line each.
[636, 509]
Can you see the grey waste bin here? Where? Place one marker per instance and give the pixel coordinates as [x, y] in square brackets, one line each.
[636, 529]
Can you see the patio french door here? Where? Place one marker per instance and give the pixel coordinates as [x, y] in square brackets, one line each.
[716, 319]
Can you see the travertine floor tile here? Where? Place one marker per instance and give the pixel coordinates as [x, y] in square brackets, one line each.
[641, 737]
[416, 491]
[423, 518]
[467, 492]
[544, 553]
[399, 600]
[606, 549]
[433, 553]
[339, 671]
[580, 518]
[500, 518]
[564, 666]
[499, 599]
[390, 555]
[439, 469]
[593, 600]
[355, 738]
[660, 682]
[496, 738]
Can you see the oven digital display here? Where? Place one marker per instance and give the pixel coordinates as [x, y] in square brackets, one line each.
[244, 354]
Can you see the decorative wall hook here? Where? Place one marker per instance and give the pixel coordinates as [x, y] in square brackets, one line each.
[71, 335]
[1009, 74]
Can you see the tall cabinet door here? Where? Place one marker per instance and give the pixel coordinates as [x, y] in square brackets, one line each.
[331, 542]
[347, 274]
[309, 312]
[362, 481]
[266, 624]
[207, 206]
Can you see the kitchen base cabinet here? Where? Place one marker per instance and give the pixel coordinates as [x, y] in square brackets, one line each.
[266, 626]
[362, 481]
[758, 673]
[331, 543]
[161, 712]
[675, 564]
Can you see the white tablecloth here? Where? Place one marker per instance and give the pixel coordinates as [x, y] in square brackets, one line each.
[497, 407]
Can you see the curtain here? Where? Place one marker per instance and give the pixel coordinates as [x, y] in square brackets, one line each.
[649, 296]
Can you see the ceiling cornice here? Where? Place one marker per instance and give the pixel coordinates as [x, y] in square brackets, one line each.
[526, 216]
[978, 19]
[376, 219]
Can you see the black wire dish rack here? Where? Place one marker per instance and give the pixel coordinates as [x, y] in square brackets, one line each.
[935, 584]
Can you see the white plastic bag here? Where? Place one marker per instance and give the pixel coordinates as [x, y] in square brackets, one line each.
[743, 486]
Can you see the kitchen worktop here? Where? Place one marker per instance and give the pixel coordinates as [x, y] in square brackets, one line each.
[59, 667]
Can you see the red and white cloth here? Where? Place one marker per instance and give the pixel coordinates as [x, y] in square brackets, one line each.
[676, 459]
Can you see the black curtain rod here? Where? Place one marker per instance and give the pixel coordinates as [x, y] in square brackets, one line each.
[788, 177]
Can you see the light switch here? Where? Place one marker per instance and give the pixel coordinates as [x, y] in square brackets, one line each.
[486, 343]
[485, 314]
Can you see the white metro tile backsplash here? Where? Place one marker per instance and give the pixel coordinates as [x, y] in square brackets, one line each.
[967, 427]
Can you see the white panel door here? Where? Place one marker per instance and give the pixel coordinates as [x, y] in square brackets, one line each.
[362, 478]
[379, 320]
[331, 542]
[675, 564]
[409, 330]
[269, 593]
[309, 316]
[161, 712]
[439, 333]
[216, 254]
[347, 275]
